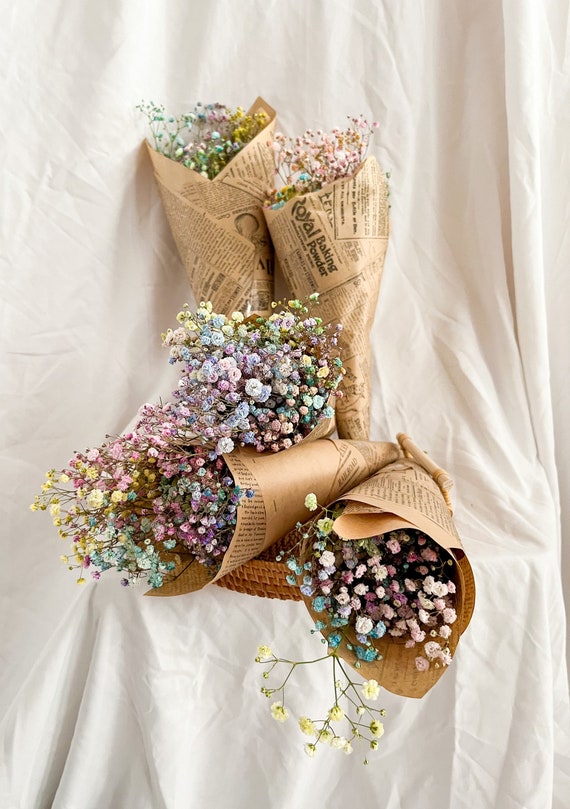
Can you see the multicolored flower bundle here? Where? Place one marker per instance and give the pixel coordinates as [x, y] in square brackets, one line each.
[397, 584]
[259, 382]
[138, 502]
[204, 139]
[313, 160]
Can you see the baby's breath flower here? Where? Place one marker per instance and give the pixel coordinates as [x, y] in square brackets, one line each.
[326, 736]
[279, 712]
[307, 726]
[310, 749]
[325, 526]
[311, 502]
[376, 729]
[370, 690]
[264, 652]
[336, 713]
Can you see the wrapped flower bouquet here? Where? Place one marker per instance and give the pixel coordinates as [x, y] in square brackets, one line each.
[212, 167]
[329, 225]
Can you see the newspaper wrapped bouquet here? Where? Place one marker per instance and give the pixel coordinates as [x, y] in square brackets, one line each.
[329, 225]
[384, 577]
[212, 167]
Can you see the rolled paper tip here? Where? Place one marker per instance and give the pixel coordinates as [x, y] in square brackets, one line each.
[412, 450]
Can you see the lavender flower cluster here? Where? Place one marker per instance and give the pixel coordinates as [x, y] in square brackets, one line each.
[258, 382]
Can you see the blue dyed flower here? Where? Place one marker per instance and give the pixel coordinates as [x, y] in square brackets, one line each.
[367, 655]
[319, 603]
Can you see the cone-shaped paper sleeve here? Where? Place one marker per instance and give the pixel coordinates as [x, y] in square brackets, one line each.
[403, 494]
[280, 482]
[218, 224]
[334, 241]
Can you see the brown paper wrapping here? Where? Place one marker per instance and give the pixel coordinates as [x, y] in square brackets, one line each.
[334, 241]
[404, 494]
[281, 482]
[218, 224]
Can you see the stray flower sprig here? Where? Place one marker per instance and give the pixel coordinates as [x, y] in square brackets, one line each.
[204, 139]
[349, 705]
[397, 584]
[312, 160]
[138, 503]
[263, 382]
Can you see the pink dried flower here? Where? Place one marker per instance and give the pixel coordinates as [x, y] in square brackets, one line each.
[422, 664]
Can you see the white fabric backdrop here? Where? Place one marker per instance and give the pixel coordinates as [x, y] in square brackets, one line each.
[112, 700]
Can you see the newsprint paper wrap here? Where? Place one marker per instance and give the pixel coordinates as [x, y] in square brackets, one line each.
[281, 481]
[218, 224]
[334, 241]
[404, 495]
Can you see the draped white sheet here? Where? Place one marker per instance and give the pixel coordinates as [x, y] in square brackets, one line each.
[112, 700]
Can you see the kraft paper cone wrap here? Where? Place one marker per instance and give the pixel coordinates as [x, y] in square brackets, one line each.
[218, 224]
[281, 481]
[334, 242]
[404, 495]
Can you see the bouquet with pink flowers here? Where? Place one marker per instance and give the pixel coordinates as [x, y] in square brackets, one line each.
[139, 504]
[397, 585]
[329, 225]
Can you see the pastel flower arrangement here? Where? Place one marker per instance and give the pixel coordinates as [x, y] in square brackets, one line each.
[263, 382]
[204, 139]
[313, 160]
[396, 584]
[338, 729]
[137, 503]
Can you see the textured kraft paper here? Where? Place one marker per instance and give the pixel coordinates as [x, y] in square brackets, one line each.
[403, 494]
[281, 481]
[218, 224]
[334, 242]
